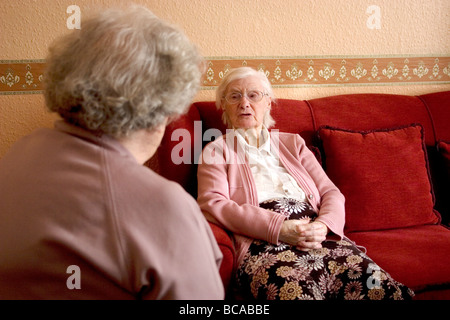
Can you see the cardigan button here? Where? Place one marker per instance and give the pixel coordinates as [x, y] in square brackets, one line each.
[310, 197]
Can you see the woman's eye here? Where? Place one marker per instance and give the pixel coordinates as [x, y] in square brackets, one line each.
[252, 94]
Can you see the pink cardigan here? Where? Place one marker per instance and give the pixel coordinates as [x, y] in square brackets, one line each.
[227, 192]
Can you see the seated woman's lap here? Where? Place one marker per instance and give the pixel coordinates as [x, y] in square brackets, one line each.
[339, 270]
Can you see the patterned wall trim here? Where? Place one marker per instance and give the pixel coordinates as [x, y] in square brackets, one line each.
[21, 76]
[338, 71]
[25, 76]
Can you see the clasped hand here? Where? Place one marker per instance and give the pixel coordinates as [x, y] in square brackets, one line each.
[303, 234]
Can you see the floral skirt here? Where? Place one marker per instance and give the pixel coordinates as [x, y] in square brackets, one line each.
[339, 270]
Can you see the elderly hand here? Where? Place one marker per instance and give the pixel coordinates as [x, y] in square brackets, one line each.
[304, 234]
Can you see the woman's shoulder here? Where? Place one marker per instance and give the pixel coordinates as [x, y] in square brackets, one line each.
[287, 137]
[138, 181]
[218, 139]
[215, 144]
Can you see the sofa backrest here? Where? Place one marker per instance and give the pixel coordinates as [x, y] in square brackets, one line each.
[364, 112]
[177, 157]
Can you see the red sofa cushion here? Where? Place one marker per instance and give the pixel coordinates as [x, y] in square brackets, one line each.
[417, 256]
[383, 175]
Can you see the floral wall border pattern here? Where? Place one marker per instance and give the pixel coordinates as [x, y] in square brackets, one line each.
[21, 76]
[25, 76]
[337, 71]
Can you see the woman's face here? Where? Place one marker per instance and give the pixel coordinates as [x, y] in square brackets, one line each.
[241, 105]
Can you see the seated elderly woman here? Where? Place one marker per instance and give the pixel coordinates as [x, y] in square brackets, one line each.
[285, 214]
[81, 217]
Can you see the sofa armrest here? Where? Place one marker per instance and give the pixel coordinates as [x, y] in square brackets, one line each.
[226, 246]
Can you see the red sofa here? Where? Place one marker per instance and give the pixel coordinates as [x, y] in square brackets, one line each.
[389, 155]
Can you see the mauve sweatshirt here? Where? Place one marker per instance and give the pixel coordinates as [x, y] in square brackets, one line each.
[80, 218]
[227, 192]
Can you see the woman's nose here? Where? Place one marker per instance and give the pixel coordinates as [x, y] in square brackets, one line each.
[244, 102]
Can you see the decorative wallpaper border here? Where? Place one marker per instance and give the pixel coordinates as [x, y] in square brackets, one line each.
[25, 76]
[21, 76]
[337, 71]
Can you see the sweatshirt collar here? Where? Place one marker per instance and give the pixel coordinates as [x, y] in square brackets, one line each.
[96, 138]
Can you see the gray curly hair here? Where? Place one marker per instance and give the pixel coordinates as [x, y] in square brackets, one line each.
[125, 70]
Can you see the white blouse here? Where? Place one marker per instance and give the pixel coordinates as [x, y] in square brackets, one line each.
[271, 178]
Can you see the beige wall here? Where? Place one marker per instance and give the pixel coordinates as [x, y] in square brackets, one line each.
[238, 28]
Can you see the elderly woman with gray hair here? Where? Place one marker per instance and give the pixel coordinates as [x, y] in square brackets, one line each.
[81, 217]
[286, 216]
